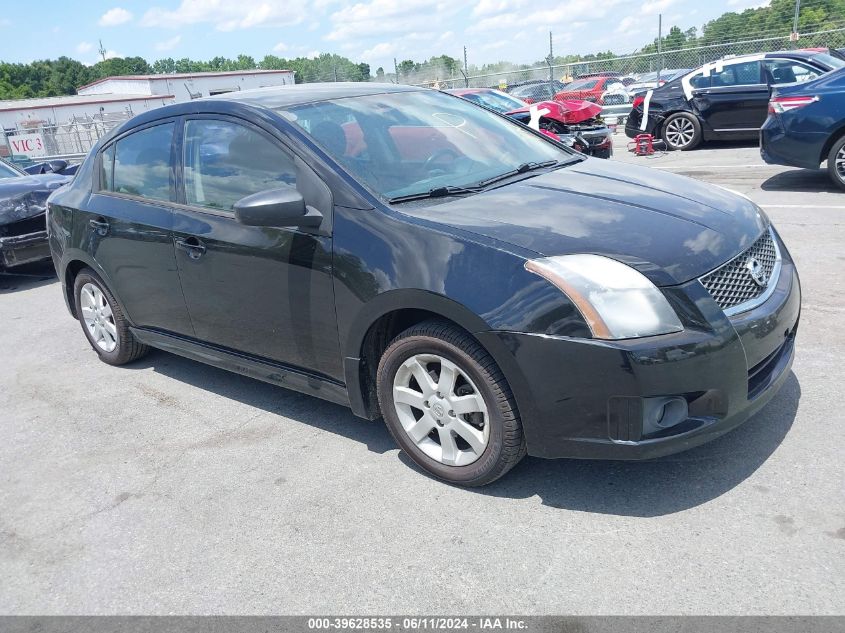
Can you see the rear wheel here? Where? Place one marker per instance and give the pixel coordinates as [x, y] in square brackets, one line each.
[448, 406]
[103, 321]
[836, 162]
[681, 131]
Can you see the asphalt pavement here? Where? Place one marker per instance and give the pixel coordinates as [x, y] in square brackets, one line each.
[168, 486]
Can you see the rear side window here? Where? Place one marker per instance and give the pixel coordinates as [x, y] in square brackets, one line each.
[743, 74]
[225, 162]
[107, 169]
[139, 164]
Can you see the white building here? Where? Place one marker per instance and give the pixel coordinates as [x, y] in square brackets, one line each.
[187, 86]
[72, 124]
[43, 111]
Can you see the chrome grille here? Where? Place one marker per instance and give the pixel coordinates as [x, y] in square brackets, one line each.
[732, 285]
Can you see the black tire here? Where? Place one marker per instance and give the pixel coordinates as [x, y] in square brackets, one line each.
[681, 118]
[506, 444]
[127, 348]
[835, 175]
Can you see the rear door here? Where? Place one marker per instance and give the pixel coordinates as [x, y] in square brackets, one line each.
[736, 100]
[127, 226]
[263, 291]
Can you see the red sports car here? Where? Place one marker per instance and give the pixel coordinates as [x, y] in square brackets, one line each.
[576, 123]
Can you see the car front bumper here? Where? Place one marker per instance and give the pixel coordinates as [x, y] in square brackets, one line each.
[16, 250]
[589, 399]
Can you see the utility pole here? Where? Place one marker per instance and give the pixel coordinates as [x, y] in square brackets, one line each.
[794, 35]
[466, 69]
[103, 50]
[396, 69]
[659, 45]
[550, 60]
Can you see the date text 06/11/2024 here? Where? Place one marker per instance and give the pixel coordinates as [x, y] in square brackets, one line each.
[417, 623]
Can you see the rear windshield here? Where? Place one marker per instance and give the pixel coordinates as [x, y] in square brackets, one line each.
[828, 60]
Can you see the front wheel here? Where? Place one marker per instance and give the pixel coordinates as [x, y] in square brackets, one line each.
[448, 406]
[836, 162]
[103, 322]
[681, 131]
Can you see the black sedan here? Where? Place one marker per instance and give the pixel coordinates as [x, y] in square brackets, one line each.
[725, 99]
[23, 202]
[806, 126]
[484, 289]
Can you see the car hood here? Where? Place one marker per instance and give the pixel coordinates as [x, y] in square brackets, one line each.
[24, 197]
[670, 228]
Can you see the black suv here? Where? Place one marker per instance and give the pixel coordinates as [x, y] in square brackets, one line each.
[401, 251]
[726, 99]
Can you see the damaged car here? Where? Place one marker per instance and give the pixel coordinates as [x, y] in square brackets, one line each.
[577, 124]
[722, 100]
[23, 203]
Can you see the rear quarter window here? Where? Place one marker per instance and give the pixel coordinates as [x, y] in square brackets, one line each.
[140, 164]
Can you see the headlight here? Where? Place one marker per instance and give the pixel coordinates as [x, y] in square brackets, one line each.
[615, 300]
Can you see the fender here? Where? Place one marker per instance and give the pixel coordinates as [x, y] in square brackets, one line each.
[416, 299]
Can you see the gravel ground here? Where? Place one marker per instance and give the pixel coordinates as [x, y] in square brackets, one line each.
[173, 487]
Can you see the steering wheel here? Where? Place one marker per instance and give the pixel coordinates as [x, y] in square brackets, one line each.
[434, 159]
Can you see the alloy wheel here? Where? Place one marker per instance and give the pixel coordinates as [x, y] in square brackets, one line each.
[98, 317]
[839, 162]
[680, 132]
[441, 409]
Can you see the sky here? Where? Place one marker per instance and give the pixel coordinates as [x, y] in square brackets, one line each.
[371, 31]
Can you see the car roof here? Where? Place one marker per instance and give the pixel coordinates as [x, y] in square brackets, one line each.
[275, 97]
[298, 94]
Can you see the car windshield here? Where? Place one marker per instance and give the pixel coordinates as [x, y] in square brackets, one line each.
[582, 84]
[647, 77]
[829, 60]
[7, 171]
[498, 101]
[410, 143]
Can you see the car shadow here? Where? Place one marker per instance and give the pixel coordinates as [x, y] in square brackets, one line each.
[800, 180]
[645, 489]
[310, 410]
[26, 277]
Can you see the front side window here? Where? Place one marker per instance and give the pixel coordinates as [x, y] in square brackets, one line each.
[743, 74]
[226, 161]
[140, 164]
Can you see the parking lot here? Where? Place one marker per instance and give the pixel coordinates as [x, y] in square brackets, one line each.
[172, 487]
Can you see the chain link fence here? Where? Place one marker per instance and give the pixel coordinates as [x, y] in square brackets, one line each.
[440, 76]
[69, 139]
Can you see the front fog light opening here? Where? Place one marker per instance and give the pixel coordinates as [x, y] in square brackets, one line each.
[663, 413]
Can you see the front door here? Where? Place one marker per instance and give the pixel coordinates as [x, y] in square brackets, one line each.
[265, 292]
[128, 226]
[736, 100]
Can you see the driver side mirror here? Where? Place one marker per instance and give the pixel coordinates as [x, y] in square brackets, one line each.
[57, 166]
[276, 208]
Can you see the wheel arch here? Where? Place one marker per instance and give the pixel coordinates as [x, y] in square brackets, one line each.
[831, 141]
[385, 317]
[74, 264]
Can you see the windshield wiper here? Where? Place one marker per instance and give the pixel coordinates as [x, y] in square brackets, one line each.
[437, 192]
[440, 192]
[521, 169]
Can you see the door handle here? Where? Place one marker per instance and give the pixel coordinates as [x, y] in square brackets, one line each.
[100, 226]
[192, 246]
